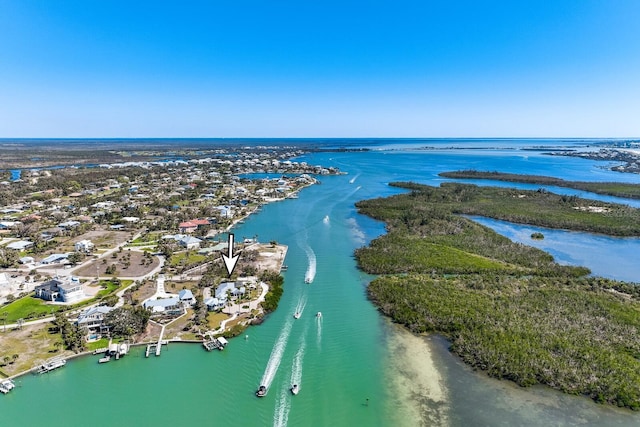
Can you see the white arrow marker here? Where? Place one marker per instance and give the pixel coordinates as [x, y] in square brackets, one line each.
[231, 260]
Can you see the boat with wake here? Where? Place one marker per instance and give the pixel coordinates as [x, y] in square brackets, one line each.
[262, 391]
[319, 314]
[297, 315]
[295, 389]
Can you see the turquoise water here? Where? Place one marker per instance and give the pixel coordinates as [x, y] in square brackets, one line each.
[340, 360]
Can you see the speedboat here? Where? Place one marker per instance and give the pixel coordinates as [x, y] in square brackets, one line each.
[319, 314]
[297, 315]
[104, 359]
[307, 280]
[262, 391]
[294, 389]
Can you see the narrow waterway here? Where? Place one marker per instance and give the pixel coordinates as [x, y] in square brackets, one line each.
[353, 366]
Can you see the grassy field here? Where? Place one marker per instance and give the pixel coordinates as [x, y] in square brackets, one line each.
[27, 308]
[186, 259]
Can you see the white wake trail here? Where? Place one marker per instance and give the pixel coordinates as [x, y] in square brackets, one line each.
[283, 406]
[311, 268]
[296, 369]
[302, 303]
[319, 332]
[276, 354]
[352, 180]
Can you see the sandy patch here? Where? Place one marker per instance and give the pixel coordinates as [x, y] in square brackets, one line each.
[418, 388]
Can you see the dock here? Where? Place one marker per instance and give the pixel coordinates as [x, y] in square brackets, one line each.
[6, 386]
[51, 364]
[215, 343]
[157, 347]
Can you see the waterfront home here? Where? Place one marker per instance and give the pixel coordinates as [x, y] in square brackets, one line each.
[214, 304]
[27, 260]
[92, 319]
[164, 306]
[189, 242]
[68, 291]
[20, 245]
[85, 246]
[228, 288]
[186, 297]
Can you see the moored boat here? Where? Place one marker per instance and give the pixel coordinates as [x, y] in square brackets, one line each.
[104, 359]
[6, 386]
[262, 391]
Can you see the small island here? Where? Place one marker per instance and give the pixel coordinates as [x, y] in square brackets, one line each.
[537, 236]
[508, 309]
[618, 189]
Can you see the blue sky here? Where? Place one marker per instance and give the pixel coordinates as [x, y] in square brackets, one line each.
[565, 68]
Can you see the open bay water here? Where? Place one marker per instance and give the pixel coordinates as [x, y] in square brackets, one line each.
[355, 368]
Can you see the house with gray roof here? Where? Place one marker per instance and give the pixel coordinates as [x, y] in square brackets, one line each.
[92, 319]
[69, 290]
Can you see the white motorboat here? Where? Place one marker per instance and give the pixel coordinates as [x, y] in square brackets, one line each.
[295, 389]
[296, 315]
[6, 386]
[319, 314]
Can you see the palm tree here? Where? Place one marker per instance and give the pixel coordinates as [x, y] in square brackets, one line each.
[6, 359]
[14, 357]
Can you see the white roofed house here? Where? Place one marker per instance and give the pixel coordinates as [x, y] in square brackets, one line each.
[69, 290]
[164, 306]
[85, 246]
[214, 304]
[20, 245]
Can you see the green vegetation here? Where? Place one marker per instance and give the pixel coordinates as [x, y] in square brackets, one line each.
[95, 345]
[539, 208]
[508, 309]
[72, 335]
[28, 308]
[127, 321]
[537, 236]
[186, 258]
[573, 335]
[272, 298]
[619, 189]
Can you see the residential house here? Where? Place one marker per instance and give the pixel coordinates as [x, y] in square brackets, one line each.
[68, 291]
[192, 225]
[20, 245]
[92, 319]
[189, 242]
[214, 304]
[54, 258]
[164, 306]
[68, 225]
[186, 297]
[228, 288]
[85, 246]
